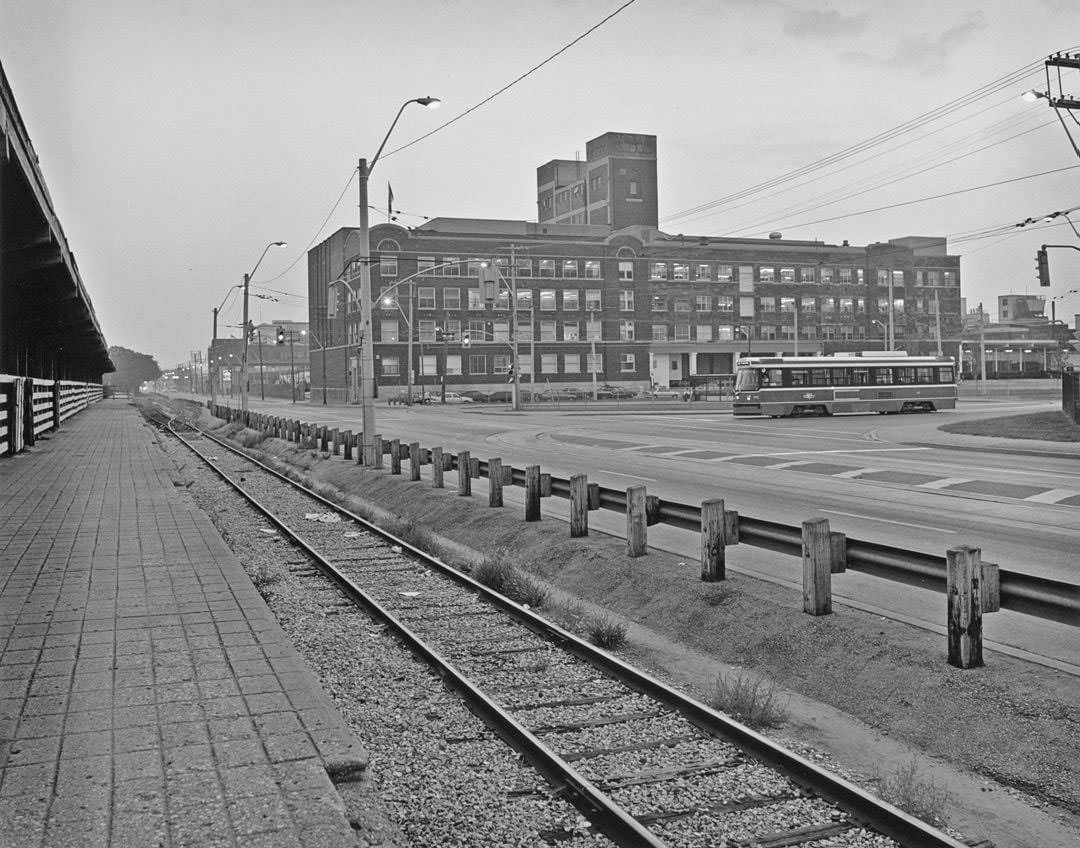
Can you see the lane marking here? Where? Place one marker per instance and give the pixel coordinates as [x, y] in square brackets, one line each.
[1052, 496]
[815, 453]
[789, 464]
[889, 521]
[631, 476]
[944, 482]
[856, 472]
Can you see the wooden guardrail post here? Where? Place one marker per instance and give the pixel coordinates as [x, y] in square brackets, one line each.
[414, 461]
[579, 506]
[14, 402]
[636, 535]
[495, 482]
[817, 567]
[474, 467]
[335, 441]
[29, 438]
[964, 591]
[380, 449]
[464, 474]
[56, 390]
[838, 552]
[713, 541]
[437, 468]
[348, 440]
[532, 492]
[324, 440]
[395, 456]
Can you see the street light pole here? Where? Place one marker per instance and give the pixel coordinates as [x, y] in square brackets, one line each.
[292, 366]
[244, 355]
[367, 347]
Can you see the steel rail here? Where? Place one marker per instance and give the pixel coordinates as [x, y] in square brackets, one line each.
[864, 807]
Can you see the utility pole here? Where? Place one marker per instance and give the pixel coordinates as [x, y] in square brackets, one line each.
[214, 371]
[292, 366]
[937, 321]
[982, 348]
[244, 354]
[409, 369]
[592, 355]
[262, 377]
[892, 332]
[513, 328]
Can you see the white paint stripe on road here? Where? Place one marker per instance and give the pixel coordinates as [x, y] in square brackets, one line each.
[888, 521]
[815, 453]
[788, 464]
[856, 472]
[1053, 496]
[943, 482]
[631, 476]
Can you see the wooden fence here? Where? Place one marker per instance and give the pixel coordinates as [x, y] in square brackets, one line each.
[30, 406]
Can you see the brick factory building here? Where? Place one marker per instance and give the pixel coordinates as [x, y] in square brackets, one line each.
[633, 304]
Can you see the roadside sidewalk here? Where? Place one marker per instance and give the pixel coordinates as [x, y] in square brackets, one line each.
[147, 695]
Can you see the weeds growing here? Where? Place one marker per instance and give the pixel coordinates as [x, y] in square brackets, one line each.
[507, 580]
[606, 632]
[748, 698]
[922, 797]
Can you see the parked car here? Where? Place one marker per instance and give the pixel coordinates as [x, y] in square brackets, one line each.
[664, 394]
[501, 396]
[474, 396]
[616, 392]
[454, 397]
[403, 399]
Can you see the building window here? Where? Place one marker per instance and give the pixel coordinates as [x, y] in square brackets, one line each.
[592, 269]
[897, 278]
[476, 300]
[950, 278]
[592, 299]
[724, 333]
[682, 304]
[806, 275]
[702, 303]
[593, 330]
[524, 267]
[787, 332]
[657, 270]
[626, 270]
[426, 332]
[547, 267]
[547, 300]
[860, 275]
[525, 363]
[388, 331]
[500, 331]
[808, 306]
[549, 363]
[659, 332]
[787, 304]
[570, 301]
[767, 304]
[787, 275]
[500, 363]
[725, 303]
[724, 274]
[845, 275]
[704, 272]
[860, 305]
[898, 306]
[477, 363]
[525, 298]
[826, 275]
[387, 266]
[828, 306]
[572, 363]
[570, 268]
[477, 331]
[626, 331]
[626, 300]
[703, 333]
[658, 303]
[524, 331]
[424, 264]
[682, 332]
[632, 188]
[452, 329]
[391, 366]
[933, 277]
[746, 279]
[767, 274]
[428, 365]
[451, 298]
[453, 364]
[681, 271]
[767, 332]
[425, 297]
[847, 305]
[570, 331]
[627, 363]
[453, 269]
[547, 331]
[594, 363]
[472, 267]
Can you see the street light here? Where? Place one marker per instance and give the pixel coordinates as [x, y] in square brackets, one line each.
[367, 346]
[244, 356]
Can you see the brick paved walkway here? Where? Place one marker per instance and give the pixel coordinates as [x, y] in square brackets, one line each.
[147, 695]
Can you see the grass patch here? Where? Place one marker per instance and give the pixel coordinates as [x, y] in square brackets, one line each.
[921, 797]
[718, 594]
[264, 579]
[749, 698]
[1053, 426]
[606, 632]
[568, 613]
[499, 575]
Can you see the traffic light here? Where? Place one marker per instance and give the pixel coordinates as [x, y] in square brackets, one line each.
[510, 374]
[1043, 265]
[489, 281]
[465, 340]
[281, 336]
[251, 331]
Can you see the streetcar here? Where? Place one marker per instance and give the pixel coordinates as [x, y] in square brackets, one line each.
[868, 381]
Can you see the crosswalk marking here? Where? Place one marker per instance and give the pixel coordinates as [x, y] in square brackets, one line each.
[944, 482]
[856, 472]
[1052, 496]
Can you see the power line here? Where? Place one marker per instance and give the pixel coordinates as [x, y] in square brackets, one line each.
[513, 82]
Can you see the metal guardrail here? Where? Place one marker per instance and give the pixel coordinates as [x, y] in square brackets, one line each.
[1054, 600]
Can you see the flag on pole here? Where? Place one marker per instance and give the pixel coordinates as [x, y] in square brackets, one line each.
[389, 202]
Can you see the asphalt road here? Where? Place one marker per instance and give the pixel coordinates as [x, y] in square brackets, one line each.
[896, 480]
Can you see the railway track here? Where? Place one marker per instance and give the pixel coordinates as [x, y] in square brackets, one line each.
[646, 765]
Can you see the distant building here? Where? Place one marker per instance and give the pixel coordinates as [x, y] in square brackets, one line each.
[612, 295]
[277, 361]
[1017, 308]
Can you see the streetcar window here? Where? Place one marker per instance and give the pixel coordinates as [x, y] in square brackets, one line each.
[819, 376]
[924, 375]
[839, 376]
[772, 377]
[905, 375]
[945, 375]
[798, 377]
[860, 376]
[882, 376]
[747, 380]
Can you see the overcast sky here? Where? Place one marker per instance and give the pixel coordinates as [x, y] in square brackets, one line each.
[178, 137]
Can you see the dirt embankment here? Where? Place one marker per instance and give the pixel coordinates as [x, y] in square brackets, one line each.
[1013, 722]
